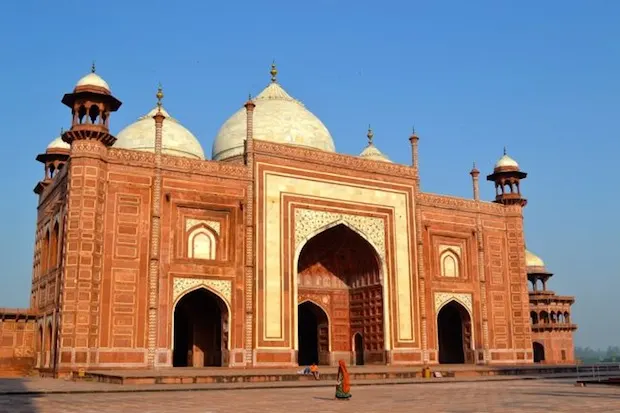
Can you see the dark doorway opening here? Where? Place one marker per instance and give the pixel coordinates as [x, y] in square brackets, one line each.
[312, 335]
[453, 326]
[359, 349]
[539, 352]
[200, 330]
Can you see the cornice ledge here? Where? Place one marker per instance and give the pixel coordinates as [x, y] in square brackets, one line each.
[333, 159]
[463, 204]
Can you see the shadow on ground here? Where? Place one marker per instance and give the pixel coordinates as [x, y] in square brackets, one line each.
[15, 396]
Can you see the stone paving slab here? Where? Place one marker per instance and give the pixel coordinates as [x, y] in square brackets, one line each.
[59, 386]
[540, 396]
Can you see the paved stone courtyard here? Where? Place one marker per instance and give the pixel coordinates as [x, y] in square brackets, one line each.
[530, 396]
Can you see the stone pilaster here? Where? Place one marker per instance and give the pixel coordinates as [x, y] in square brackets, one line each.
[249, 234]
[483, 290]
[421, 275]
[155, 238]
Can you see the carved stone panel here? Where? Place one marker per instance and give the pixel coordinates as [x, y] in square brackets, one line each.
[462, 298]
[307, 221]
[182, 285]
[192, 222]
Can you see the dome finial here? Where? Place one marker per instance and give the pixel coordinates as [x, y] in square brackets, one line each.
[505, 151]
[93, 69]
[159, 96]
[273, 72]
[62, 131]
[370, 135]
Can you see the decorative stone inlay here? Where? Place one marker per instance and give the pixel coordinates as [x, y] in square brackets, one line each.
[182, 285]
[192, 222]
[307, 221]
[462, 298]
[454, 248]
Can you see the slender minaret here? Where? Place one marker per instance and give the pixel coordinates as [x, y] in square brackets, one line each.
[414, 148]
[154, 263]
[474, 178]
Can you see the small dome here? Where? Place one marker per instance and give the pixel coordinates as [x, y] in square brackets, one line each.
[277, 118]
[176, 139]
[92, 79]
[373, 153]
[58, 143]
[533, 260]
[506, 162]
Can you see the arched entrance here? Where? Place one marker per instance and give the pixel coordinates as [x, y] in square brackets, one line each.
[341, 270]
[313, 335]
[48, 345]
[200, 330]
[358, 347]
[454, 333]
[539, 352]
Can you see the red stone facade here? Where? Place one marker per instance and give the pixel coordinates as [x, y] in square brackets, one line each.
[116, 281]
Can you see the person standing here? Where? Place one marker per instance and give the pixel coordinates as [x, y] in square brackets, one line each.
[343, 386]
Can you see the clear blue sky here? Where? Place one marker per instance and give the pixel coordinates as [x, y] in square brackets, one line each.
[541, 77]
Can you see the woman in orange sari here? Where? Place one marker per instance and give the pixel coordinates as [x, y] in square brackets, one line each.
[343, 387]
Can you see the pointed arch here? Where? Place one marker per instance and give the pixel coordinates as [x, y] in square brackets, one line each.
[202, 242]
[314, 332]
[201, 328]
[45, 252]
[384, 280]
[455, 335]
[449, 263]
[53, 247]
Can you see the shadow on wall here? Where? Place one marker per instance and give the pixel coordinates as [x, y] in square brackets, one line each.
[15, 396]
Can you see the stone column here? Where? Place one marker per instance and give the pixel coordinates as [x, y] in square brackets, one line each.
[474, 178]
[249, 234]
[413, 139]
[421, 274]
[155, 238]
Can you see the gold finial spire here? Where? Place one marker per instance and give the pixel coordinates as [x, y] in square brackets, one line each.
[93, 69]
[160, 96]
[370, 135]
[273, 72]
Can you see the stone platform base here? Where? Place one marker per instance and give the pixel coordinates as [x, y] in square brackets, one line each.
[358, 373]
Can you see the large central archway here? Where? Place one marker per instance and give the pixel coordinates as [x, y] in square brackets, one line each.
[341, 270]
[454, 334]
[200, 330]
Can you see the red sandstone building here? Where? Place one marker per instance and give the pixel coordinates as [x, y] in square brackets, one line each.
[276, 252]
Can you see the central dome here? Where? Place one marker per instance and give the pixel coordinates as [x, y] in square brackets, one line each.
[277, 118]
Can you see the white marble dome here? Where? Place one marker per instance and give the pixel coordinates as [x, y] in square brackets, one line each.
[93, 79]
[506, 162]
[277, 118]
[58, 143]
[176, 139]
